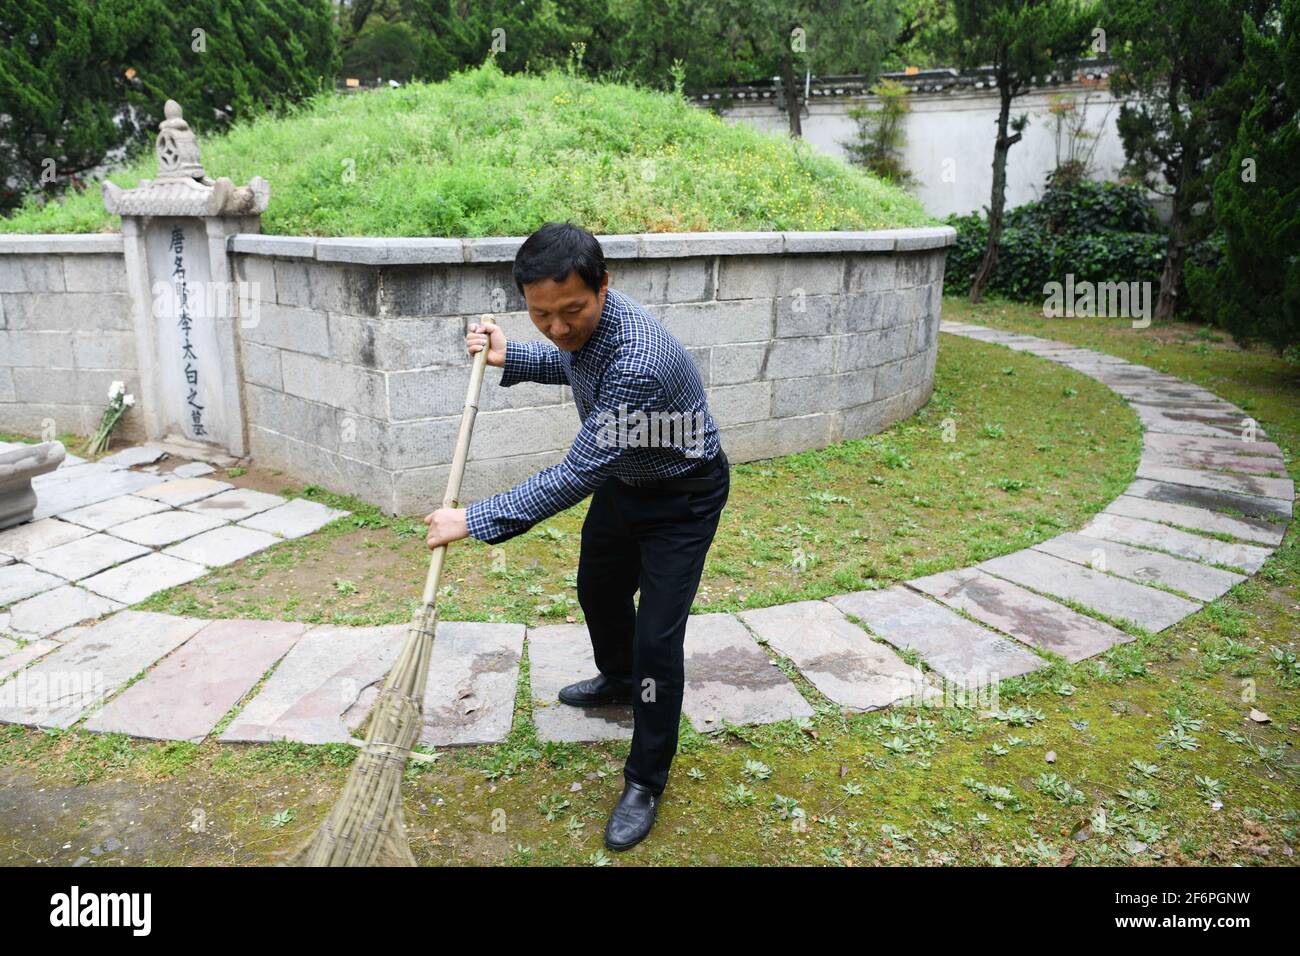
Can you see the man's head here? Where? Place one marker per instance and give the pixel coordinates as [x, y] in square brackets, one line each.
[560, 270]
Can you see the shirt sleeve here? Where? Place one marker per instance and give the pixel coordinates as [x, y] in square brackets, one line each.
[588, 463]
[532, 362]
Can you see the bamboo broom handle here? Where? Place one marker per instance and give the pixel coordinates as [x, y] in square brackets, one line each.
[451, 498]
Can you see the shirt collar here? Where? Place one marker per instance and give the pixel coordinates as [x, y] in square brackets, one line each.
[605, 328]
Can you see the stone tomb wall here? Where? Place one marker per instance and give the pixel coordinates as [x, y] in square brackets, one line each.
[66, 334]
[355, 370]
[352, 371]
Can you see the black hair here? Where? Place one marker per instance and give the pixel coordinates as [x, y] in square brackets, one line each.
[557, 249]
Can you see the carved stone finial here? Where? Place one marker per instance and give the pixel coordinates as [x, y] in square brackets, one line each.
[177, 147]
[182, 187]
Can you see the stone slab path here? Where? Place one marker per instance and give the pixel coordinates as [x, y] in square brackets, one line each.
[1210, 503]
[104, 537]
[473, 676]
[837, 656]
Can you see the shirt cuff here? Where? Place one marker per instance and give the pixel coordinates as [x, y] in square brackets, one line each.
[515, 368]
[478, 521]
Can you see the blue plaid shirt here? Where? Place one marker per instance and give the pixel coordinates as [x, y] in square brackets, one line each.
[630, 367]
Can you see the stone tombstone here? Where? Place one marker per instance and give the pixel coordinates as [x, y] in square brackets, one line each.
[185, 300]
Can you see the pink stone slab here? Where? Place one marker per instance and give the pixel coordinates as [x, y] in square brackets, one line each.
[187, 693]
[323, 689]
[84, 672]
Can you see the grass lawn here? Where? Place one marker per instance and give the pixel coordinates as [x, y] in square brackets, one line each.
[484, 154]
[1155, 760]
[1010, 450]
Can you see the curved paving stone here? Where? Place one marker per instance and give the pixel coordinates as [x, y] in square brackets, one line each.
[838, 657]
[1198, 519]
[323, 689]
[1217, 446]
[1183, 544]
[955, 648]
[560, 654]
[1196, 580]
[1278, 489]
[1022, 614]
[1212, 461]
[1116, 598]
[1193, 466]
[188, 692]
[1252, 506]
[473, 673]
[729, 678]
[66, 683]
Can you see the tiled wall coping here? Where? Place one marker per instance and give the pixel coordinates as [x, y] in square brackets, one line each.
[650, 245]
[29, 244]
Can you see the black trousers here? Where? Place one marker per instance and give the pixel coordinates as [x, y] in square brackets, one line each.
[654, 540]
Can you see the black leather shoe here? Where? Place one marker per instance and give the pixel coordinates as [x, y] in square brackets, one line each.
[596, 692]
[633, 816]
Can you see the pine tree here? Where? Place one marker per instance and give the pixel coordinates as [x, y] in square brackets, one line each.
[81, 79]
[1181, 61]
[1254, 291]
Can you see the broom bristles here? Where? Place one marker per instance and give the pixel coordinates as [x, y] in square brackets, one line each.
[365, 826]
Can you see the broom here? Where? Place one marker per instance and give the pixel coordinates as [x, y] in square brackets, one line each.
[365, 827]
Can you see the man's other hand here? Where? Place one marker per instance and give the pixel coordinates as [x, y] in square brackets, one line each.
[445, 526]
[482, 333]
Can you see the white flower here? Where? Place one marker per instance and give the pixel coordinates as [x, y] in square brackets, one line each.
[116, 389]
[128, 400]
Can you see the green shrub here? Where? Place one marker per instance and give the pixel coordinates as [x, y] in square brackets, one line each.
[1084, 207]
[1100, 232]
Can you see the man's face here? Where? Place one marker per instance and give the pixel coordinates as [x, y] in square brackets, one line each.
[565, 312]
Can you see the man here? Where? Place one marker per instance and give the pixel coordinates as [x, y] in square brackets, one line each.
[648, 452]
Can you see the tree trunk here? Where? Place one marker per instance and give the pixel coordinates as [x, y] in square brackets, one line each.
[1171, 277]
[998, 197]
[790, 86]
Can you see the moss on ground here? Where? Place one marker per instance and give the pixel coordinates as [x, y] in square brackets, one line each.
[1010, 450]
